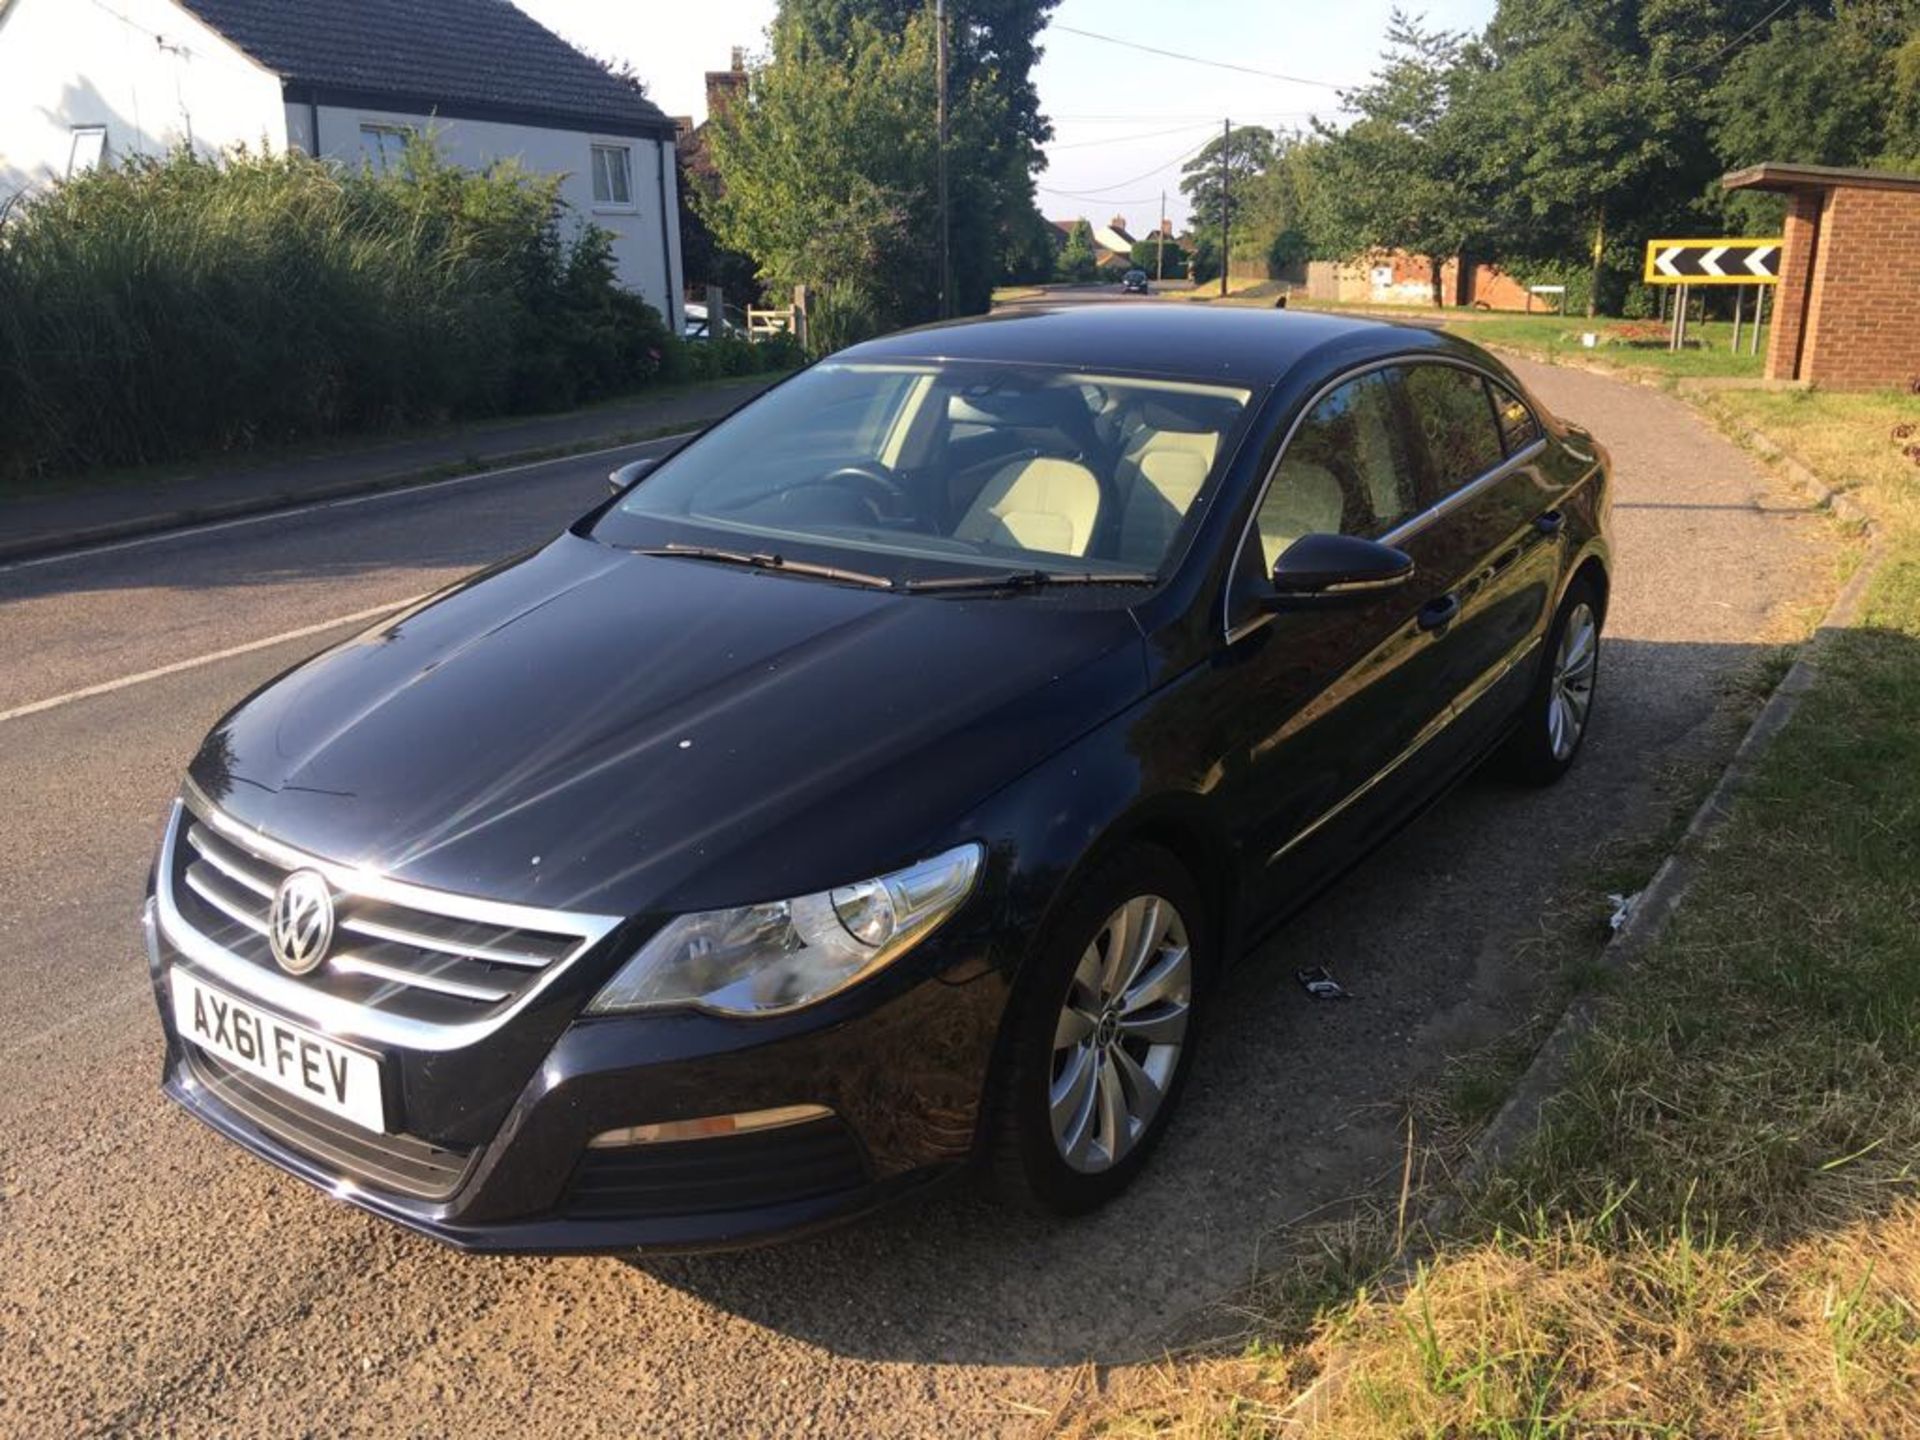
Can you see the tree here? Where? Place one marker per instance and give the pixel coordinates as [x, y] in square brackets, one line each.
[1843, 90]
[1578, 141]
[993, 48]
[1029, 248]
[1396, 178]
[1273, 228]
[1078, 263]
[1235, 160]
[1158, 260]
[1203, 260]
[826, 171]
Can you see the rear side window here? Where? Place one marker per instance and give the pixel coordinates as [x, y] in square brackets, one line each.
[1346, 470]
[1518, 428]
[1454, 414]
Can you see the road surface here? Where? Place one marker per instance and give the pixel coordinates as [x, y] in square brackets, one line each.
[153, 1278]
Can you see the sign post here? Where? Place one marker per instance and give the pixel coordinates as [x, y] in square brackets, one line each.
[1687, 263]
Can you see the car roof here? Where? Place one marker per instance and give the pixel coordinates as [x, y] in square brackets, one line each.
[1237, 344]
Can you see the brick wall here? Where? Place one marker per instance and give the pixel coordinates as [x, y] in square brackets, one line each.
[1790, 296]
[1867, 283]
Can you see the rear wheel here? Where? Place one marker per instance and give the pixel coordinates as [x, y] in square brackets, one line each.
[1554, 724]
[1102, 1036]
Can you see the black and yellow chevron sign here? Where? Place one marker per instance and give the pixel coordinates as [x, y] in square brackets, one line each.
[1713, 262]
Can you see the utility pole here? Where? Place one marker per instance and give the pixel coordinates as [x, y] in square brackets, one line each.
[1226, 180]
[940, 141]
[1160, 242]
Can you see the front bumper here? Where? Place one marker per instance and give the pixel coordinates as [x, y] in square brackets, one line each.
[901, 1071]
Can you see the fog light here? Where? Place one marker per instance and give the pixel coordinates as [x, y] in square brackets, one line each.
[709, 1126]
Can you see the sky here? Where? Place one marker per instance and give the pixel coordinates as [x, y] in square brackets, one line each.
[1124, 121]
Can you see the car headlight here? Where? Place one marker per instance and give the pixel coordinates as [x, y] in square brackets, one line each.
[774, 957]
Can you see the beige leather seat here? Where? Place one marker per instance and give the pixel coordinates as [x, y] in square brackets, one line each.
[1159, 476]
[1039, 504]
[1305, 499]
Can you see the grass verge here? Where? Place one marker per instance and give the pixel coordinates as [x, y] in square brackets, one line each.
[1716, 1232]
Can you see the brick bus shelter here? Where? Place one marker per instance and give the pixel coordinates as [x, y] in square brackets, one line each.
[1847, 309]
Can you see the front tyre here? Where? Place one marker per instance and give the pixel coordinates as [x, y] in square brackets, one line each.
[1554, 724]
[1101, 1035]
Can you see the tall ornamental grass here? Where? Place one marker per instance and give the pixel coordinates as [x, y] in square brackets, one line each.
[182, 306]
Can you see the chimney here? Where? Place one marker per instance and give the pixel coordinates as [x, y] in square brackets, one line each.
[1166, 228]
[1118, 223]
[724, 86]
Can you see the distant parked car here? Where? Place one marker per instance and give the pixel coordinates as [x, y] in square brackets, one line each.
[1134, 282]
[696, 324]
[877, 784]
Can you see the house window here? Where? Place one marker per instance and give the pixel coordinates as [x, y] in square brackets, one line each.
[612, 175]
[89, 149]
[385, 146]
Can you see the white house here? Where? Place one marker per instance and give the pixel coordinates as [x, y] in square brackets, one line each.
[86, 82]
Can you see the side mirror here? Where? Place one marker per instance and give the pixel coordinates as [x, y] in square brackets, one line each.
[631, 474]
[1327, 568]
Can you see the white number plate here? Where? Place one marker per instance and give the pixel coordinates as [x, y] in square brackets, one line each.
[290, 1057]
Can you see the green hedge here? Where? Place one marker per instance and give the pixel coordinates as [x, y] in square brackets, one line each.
[179, 307]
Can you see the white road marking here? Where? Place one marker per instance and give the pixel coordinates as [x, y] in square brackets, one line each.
[209, 527]
[109, 686]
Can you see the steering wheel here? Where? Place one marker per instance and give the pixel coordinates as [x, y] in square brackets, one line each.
[876, 476]
[879, 491]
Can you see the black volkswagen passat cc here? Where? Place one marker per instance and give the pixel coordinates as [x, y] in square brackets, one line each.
[875, 785]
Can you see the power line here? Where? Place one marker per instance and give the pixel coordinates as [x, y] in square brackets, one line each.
[1128, 139]
[1200, 59]
[1135, 117]
[1103, 199]
[1102, 190]
[1737, 40]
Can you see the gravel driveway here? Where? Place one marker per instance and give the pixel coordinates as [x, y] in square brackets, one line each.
[153, 1279]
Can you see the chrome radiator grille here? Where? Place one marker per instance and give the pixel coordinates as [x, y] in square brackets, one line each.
[431, 959]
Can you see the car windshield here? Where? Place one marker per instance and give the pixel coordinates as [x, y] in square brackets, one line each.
[1015, 467]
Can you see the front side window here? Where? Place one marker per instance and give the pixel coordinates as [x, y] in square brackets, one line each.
[1346, 471]
[1454, 414]
[88, 149]
[612, 175]
[385, 146]
[970, 463]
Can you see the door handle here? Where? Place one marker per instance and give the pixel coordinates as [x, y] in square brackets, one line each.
[1550, 524]
[1438, 614]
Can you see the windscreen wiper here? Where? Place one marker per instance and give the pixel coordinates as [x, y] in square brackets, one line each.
[1031, 580]
[760, 560]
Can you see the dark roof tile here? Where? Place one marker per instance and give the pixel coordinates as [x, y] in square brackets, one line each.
[459, 57]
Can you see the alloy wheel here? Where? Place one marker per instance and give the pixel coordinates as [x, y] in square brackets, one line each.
[1575, 666]
[1116, 1045]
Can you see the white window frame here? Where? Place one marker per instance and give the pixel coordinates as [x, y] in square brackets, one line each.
[610, 203]
[374, 135]
[86, 149]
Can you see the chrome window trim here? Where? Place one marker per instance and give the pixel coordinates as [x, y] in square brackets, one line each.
[347, 1019]
[1413, 525]
[1407, 528]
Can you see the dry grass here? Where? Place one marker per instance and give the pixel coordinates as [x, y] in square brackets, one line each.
[1579, 1330]
[1867, 443]
[1716, 1231]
